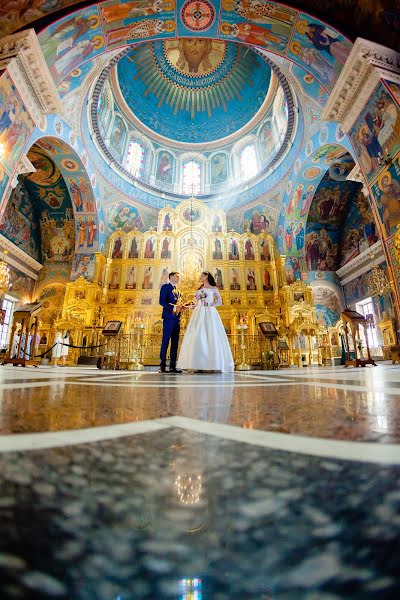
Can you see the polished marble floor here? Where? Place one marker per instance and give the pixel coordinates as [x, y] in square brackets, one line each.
[335, 403]
[248, 486]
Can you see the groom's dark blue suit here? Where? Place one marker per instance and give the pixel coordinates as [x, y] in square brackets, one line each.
[171, 325]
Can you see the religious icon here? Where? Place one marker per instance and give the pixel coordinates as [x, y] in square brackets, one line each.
[165, 251]
[164, 168]
[264, 250]
[233, 249]
[148, 279]
[164, 276]
[130, 280]
[167, 226]
[248, 250]
[251, 280]
[114, 282]
[218, 279]
[117, 249]
[149, 248]
[217, 253]
[133, 251]
[216, 226]
[234, 279]
[267, 281]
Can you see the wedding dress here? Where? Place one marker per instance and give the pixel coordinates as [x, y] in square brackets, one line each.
[205, 346]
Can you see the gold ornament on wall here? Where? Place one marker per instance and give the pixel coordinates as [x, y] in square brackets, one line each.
[4, 275]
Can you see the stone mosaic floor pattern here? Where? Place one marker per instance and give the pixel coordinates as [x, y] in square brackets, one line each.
[142, 516]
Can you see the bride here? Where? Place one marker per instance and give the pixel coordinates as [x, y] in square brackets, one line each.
[205, 346]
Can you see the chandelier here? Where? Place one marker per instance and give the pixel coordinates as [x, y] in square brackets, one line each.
[378, 282]
[188, 487]
[4, 276]
[189, 280]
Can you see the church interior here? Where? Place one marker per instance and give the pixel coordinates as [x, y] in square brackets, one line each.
[252, 140]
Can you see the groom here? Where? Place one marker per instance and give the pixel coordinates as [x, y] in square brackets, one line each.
[171, 315]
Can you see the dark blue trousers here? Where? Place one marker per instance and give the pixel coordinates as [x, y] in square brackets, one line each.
[171, 329]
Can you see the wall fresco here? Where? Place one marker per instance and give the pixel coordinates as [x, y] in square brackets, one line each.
[49, 195]
[340, 221]
[358, 289]
[386, 191]
[83, 266]
[319, 49]
[376, 20]
[165, 167]
[20, 222]
[328, 303]
[71, 41]
[219, 168]
[74, 80]
[310, 85]
[376, 132]
[16, 124]
[123, 216]
[264, 24]
[21, 286]
[4, 180]
[258, 219]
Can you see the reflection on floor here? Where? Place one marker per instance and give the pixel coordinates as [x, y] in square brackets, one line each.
[146, 503]
[343, 404]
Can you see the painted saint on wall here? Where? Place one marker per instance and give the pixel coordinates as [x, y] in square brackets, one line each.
[251, 280]
[149, 247]
[118, 135]
[134, 250]
[148, 279]
[233, 249]
[165, 248]
[218, 278]
[117, 248]
[216, 225]
[267, 285]
[167, 224]
[248, 250]
[217, 252]
[219, 169]
[164, 171]
[234, 279]
[114, 281]
[264, 250]
[130, 279]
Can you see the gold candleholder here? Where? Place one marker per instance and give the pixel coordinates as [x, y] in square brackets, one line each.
[243, 365]
[135, 362]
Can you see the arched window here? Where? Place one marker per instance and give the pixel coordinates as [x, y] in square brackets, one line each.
[248, 161]
[191, 177]
[135, 159]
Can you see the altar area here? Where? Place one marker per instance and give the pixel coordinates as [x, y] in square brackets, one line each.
[249, 272]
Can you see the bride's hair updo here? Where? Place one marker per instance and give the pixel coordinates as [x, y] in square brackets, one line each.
[210, 278]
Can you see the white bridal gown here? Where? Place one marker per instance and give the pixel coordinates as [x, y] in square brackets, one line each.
[205, 346]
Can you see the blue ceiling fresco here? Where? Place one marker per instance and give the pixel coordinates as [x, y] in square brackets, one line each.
[193, 90]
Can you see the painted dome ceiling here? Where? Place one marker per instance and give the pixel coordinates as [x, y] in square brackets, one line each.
[192, 90]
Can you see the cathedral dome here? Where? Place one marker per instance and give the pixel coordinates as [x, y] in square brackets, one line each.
[193, 90]
[192, 95]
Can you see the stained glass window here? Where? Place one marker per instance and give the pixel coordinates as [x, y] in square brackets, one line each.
[135, 158]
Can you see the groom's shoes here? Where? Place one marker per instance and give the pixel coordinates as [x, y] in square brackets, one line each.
[162, 370]
[174, 371]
